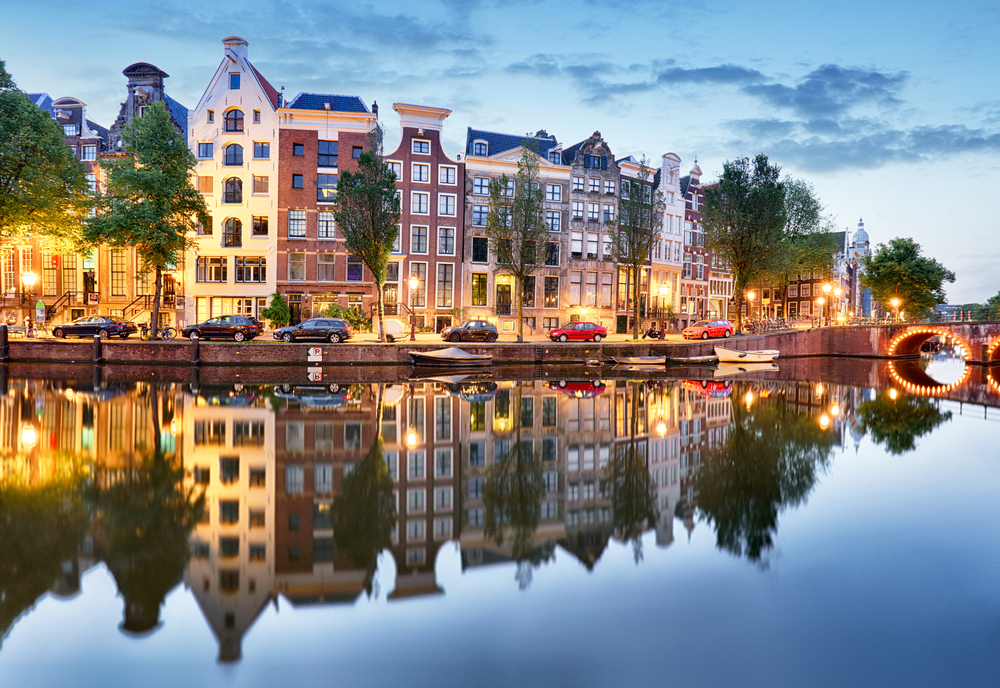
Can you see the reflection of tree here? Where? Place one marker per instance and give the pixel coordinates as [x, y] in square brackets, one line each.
[769, 462]
[364, 510]
[40, 529]
[145, 522]
[897, 423]
[633, 501]
[512, 497]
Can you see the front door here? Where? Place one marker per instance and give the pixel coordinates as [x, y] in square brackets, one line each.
[390, 298]
[295, 307]
[503, 299]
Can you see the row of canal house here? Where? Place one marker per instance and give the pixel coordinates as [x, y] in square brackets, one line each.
[268, 169]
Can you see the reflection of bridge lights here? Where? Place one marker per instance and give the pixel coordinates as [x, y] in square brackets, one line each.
[991, 381]
[835, 410]
[893, 394]
[28, 436]
[824, 421]
[929, 330]
[925, 390]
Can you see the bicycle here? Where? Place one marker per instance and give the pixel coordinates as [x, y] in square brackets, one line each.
[164, 333]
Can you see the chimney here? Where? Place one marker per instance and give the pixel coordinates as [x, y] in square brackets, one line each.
[236, 48]
[375, 108]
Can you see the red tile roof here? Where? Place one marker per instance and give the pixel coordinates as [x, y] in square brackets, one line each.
[269, 90]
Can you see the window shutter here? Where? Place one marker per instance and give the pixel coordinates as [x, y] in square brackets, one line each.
[604, 162]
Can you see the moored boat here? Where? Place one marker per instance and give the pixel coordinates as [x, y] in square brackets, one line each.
[734, 356]
[639, 360]
[452, 356]
[726, 369]
[692, 360]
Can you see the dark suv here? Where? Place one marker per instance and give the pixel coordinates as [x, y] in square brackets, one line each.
[333, 330]
[235, 327]
[471, 331]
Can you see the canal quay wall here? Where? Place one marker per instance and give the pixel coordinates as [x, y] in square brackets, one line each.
[864, 342]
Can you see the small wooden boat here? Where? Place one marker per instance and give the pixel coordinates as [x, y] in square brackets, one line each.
[726, 369]
[733, 356]
[640, 360]
[618, 367]
[452, 357]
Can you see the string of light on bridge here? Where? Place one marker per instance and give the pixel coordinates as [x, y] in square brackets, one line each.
[932, 331]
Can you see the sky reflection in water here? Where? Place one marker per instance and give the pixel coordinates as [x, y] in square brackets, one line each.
[639, 532]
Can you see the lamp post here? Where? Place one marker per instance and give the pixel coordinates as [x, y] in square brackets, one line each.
[28, 280]
[822, 310]
[837, 292]
[895, 306]
[414, 283]
[750, 297]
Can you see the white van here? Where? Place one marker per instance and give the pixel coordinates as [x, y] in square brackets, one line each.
[394, 329]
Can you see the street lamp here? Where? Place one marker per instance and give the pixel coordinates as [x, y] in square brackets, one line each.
[837, 292]
[28, 280]
[414, 283]
[895, 305]
[750, 297]
[822, 311]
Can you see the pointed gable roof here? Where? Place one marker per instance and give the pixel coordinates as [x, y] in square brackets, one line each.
[272, 94]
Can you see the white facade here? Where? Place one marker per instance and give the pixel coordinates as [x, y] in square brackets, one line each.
[233, 132]
[668, 255]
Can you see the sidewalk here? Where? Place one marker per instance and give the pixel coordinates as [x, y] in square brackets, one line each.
[505, 338]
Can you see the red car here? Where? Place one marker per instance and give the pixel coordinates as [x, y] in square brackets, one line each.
[578, 332]
[579, 389]
[708, 388]
[703, 329]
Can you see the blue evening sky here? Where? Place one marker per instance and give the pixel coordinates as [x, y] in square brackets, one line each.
[890, 108]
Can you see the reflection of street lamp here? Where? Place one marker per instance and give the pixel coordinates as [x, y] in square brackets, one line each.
[28, 436]
[28, 280]
[414, 283]
[661, 428]
[749, 399]
[824, 422]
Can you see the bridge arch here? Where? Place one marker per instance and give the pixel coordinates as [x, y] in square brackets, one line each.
[914, 380]
[993, 351]
[909, 341]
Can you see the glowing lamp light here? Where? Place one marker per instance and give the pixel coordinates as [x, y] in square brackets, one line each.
[661, 428]
[824, 421]
[893, 394]
[749, 399]
[835, 410]
[819, 389]
[664, 290]
[29, 279]
[411, 439]
[895, 302]
[827, 288]
[751, 295]
[414, 282]
[29, 436]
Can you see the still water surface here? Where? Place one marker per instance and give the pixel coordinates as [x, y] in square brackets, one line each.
[590, 531]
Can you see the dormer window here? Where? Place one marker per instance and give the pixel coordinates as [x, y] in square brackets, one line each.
[234, 82]
[555, 157]
[480, 148]
[234, 121]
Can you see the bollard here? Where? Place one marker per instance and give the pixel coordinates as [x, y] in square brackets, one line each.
[196, 351]
[98, 354]
[4, 343]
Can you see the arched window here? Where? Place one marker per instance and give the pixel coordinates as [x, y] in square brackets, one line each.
[234, 191]
[233, 232]
[234, 120]
[234, 154]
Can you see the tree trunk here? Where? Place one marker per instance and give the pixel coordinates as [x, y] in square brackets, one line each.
[379, 311]
[154, 325]
[520, 306]
[738, 295]
[635, 302]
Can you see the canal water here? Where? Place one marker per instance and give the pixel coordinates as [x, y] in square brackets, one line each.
[824, 524]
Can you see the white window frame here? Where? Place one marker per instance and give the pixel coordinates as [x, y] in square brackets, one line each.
[420, 172]
[427, 242]
[442, 169]
[553, 192]
[454, 239]
[475, 148]
[420, 143]
[443, 197]
[414, 196]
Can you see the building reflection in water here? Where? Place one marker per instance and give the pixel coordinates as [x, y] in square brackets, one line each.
[254, 493]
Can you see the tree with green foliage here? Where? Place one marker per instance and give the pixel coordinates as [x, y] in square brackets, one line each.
[515, 227]
[277, 313]
[898, 270]
[634, 234]
[744, 220]
[897, 423]
[993, 307]
[354, 317]
[367, 213]
[43, 187]
[150, 203]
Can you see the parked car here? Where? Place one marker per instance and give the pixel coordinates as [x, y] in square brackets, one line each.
[579, 389]
[333, 330]
[578, 332]
[235, 327]
[101, 325]
[471, 331]
[703, 329]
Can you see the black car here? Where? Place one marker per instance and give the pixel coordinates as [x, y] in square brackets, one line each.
[471, 331]
[236, 327]
[101, 325]
[333, 330]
